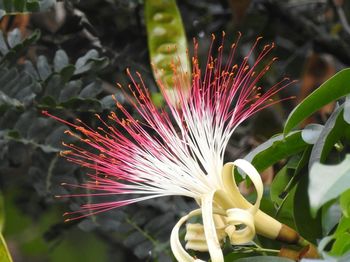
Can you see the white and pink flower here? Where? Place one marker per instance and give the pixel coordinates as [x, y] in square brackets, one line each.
[179, 151]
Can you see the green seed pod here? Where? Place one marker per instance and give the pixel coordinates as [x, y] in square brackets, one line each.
[167, 42]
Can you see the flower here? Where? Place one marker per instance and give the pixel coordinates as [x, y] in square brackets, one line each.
[181, 151]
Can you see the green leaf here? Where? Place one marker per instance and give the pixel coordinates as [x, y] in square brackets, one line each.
[91, 90]
[278, 184]
[43, 67]
[283, 202]
[310, 227]
[4, 252]
[67, 72]
[167, 41]
[331, 90]
[344, 202]
[16, 44]
[328, 182]
[90, 61]
[333, 130]
[275, 149]
[54, 86]
[342, 238]
[71, 89]
[60, 60]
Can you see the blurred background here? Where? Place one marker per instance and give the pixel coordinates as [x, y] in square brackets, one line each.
[68, 57]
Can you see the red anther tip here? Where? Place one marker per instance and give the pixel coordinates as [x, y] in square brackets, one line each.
[44, 112]
[57, 196]
[223, 33]
[63, 184]
[67, 220]
[212, 36]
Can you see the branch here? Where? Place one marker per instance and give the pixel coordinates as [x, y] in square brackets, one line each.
[308, 30]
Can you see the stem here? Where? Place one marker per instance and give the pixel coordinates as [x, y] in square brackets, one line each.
[144, 233]
[262, 250]
[258, 248]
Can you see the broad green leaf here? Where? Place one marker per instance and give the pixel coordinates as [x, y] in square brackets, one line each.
[283, 202]
[344, 226]
[167, 41]
[333, 130]
[344, 202]
[275, 149]
[342, 238]
[4, 252]
[279, 183]
[328, 182]
[308, 226]
[331, 90]
[301, 162]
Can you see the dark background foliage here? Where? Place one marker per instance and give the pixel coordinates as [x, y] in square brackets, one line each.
[67, 57]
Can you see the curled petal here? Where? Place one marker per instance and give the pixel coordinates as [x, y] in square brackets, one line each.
[254, 176]
[240, 217]
[195, 237]
[176, 247]
[265, 225]
[243, 212]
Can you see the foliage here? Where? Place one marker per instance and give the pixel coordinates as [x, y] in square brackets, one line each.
[314, 184]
